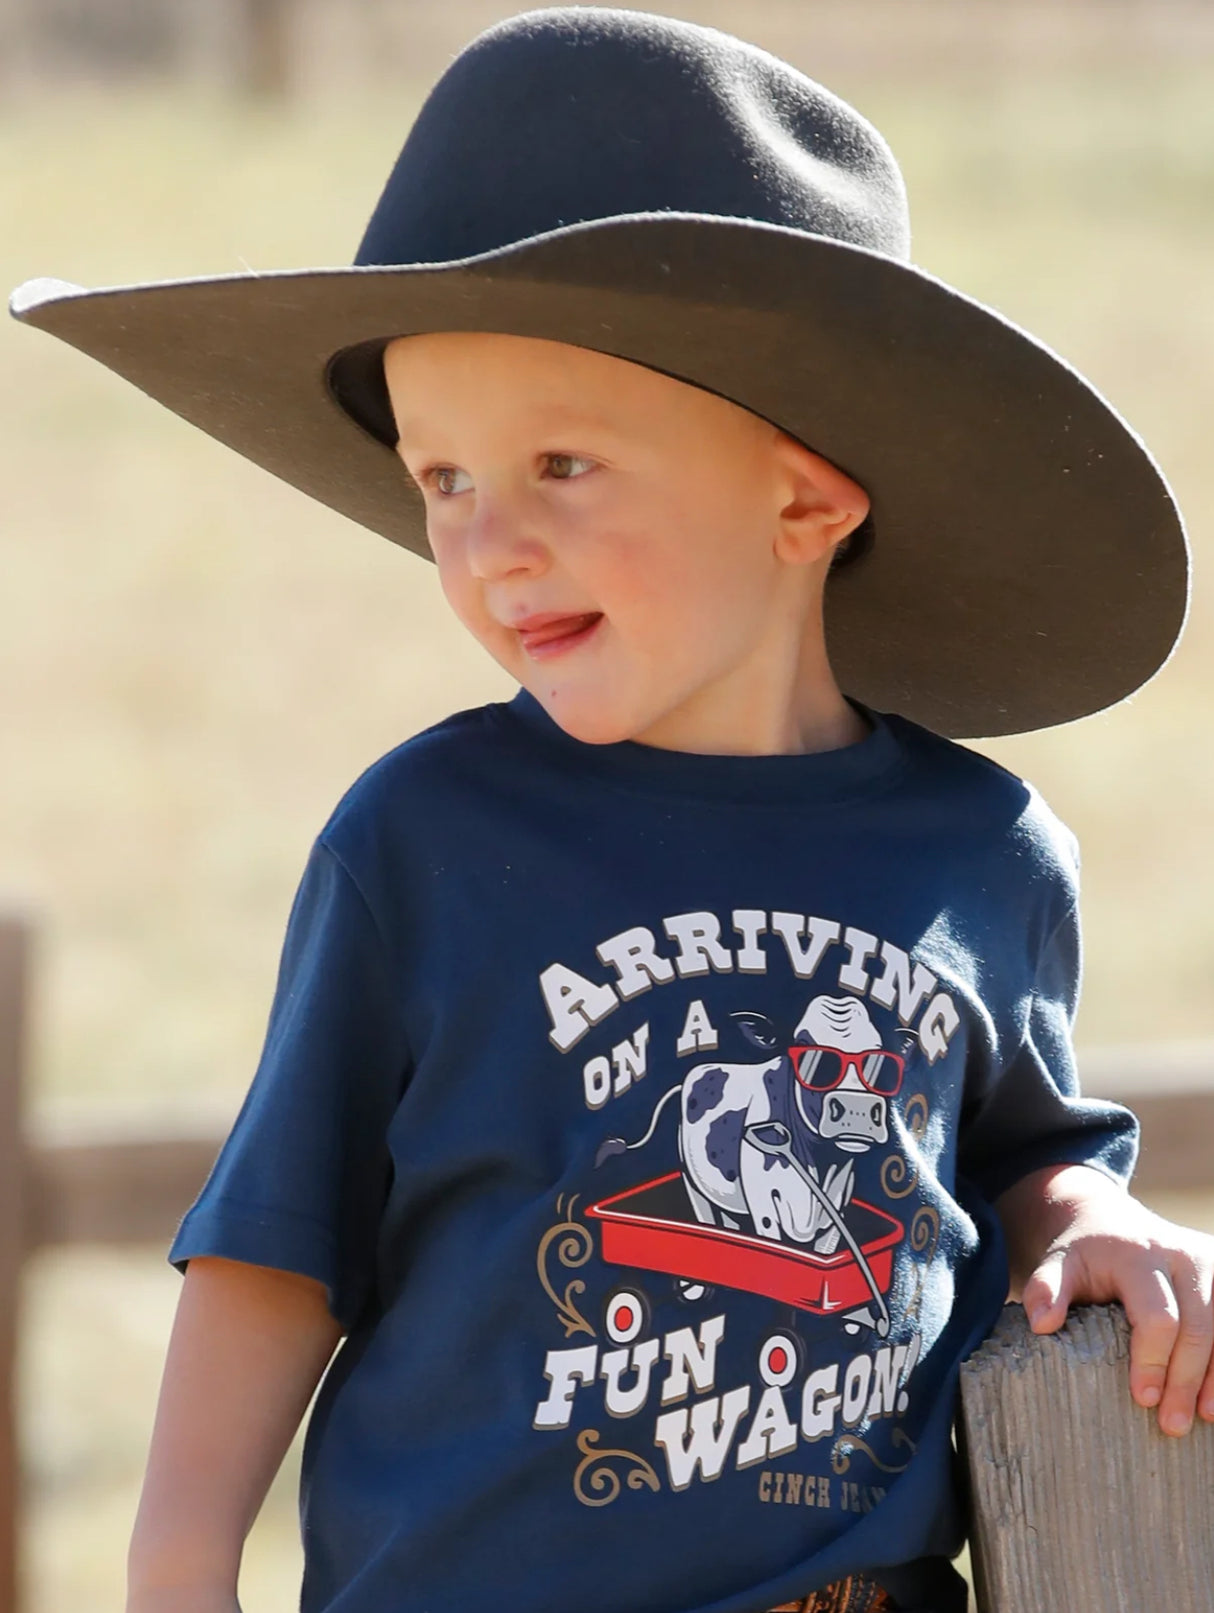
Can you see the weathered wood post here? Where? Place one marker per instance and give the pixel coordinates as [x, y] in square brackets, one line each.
[1080, 1503]
[266, 69]
[14, 963]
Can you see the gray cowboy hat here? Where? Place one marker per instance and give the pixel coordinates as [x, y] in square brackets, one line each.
[674, 196]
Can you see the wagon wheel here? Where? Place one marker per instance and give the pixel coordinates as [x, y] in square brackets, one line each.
[690, 1292]
[626, 1314]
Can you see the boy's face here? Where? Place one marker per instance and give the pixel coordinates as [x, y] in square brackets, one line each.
[632, 549]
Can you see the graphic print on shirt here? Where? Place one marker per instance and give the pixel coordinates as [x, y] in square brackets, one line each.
[767, 1149]
[769, 1136]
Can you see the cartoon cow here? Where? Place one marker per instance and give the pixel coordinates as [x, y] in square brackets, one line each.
[817, 1095]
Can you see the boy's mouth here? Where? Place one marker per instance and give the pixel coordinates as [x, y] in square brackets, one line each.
[547, 635]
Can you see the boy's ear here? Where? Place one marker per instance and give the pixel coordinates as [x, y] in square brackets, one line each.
[820, 505]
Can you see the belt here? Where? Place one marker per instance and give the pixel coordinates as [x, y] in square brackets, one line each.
[855, 1594]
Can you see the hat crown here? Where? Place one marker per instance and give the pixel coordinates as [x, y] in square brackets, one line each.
[568, 114]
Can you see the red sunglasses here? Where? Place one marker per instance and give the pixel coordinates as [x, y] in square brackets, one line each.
[877, 1070]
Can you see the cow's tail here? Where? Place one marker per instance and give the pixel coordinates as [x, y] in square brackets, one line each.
[617, 1145]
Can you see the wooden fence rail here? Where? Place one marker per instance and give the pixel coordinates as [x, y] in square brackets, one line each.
[117, 1175]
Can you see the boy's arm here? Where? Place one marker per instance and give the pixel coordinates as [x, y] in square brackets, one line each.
[248, 1347]
[1076, 1236]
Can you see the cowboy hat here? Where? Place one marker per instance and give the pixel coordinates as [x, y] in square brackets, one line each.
[671, 195]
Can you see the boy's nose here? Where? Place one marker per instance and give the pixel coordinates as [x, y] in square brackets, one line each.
[500, 539]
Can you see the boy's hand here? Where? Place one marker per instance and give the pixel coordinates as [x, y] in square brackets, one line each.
[1076, 1237]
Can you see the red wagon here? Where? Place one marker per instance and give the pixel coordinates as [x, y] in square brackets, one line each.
[654, 1227]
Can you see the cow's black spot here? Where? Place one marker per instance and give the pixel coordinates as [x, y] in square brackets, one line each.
[775, 1081]
[723, 1142]
[705, 1092]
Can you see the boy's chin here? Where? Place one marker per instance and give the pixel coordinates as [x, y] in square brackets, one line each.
[587, 716]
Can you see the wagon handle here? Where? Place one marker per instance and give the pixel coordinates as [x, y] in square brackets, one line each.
[783, 1150]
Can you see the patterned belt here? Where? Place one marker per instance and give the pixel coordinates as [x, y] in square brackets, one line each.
[855, 1594]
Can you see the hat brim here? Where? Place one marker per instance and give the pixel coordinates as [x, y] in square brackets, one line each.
[1029, 567]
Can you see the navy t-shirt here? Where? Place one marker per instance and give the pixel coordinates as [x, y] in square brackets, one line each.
[641, 1112]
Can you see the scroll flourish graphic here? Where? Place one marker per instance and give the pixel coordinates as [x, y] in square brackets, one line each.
[574, 1246]
[847, 1444]
[924, 1234]
[917, 1114]
[894, 1173]
[594, 1471]
[898, 1179]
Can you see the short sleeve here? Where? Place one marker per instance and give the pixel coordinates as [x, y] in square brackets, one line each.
[301, 1180]
[1031, 1113]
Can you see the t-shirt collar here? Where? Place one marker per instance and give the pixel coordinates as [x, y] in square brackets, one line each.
[802, 778]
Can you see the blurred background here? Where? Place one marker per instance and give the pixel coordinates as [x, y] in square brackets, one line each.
[196, 661]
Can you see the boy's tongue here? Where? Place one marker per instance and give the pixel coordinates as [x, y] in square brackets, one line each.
[561, 628]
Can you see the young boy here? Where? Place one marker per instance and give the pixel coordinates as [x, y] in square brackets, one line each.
[669, 1071]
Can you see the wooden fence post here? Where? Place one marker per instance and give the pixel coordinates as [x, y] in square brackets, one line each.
[1080, 1503]
[267, 46]
[14, 965]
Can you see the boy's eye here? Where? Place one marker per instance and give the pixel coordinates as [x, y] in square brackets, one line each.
[560, 463]
[443, 478]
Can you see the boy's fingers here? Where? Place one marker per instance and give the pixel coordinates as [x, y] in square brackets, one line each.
[1154, 1317]
[1046, 1294]
[1205, 1398]
[1189, 1367]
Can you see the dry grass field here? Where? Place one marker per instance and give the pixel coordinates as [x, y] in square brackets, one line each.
[195, 661]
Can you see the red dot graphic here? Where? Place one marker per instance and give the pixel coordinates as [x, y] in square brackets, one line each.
[778, 1359]
[623, 1317]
